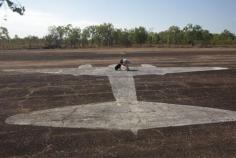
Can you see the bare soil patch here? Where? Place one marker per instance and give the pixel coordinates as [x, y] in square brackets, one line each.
[20, 93]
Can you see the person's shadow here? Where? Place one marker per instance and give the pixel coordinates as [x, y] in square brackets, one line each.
[132, 70]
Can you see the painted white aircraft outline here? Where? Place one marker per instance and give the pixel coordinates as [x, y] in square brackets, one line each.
[126, 113]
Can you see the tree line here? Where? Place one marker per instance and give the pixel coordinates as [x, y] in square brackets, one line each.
[106, 35]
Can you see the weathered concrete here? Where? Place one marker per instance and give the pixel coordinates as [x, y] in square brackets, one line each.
[126, 112]
[126, 116]
[110, 71]
[123, 88]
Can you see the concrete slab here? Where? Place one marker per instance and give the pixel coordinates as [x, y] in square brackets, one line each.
[110, 71]
[124, 116]
[126, 113]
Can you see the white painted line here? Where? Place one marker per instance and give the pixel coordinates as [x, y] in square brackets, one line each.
[123, 88]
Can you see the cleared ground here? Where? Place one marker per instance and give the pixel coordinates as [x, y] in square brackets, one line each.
[20, 93]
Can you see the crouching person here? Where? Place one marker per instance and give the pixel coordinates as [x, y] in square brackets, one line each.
[123, 62]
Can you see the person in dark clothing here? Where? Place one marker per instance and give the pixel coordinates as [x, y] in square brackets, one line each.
[118, 67]
[123, 62]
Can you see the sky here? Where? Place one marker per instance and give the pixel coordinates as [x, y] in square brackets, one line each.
[155, 15]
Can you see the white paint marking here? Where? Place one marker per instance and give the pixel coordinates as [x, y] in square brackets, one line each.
[125, 116]
[123, 88]
[126, 112]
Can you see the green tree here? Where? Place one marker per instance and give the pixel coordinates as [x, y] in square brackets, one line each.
[150, 38]
[126, 38]
[52, 39]
[4, 38]
[153, 38]
[163, 37]
[140, 35]
[63, 36]
[206, 37]
[32, 42]
[117, 35]
[174, 35]
[224, 38]
[85, 37]
[227, 36]
[4, 35]
[15, 7]
[194, 34]
[156, 38]
[61, 33]
[189, 34]
[104, 33]
[74, 37]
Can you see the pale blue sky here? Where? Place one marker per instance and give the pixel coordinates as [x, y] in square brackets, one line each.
[156, 15]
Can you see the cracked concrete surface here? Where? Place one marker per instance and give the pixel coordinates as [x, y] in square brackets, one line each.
[123, 88]
[125, 116]
[126, 112]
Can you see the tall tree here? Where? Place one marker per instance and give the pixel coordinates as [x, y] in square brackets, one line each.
[4, 35]
[53, 38]
[85, 37]
[174, 35]
[140, 35]
[73, 36]
[15, 7]
[194, 34]
[105, 34]
[117, 34]
[126, 38]
[227, 35]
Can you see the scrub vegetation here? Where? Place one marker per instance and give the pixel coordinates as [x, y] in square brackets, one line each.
[106, 35]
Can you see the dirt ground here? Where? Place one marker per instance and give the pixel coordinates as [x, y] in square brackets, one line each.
[22, 93]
